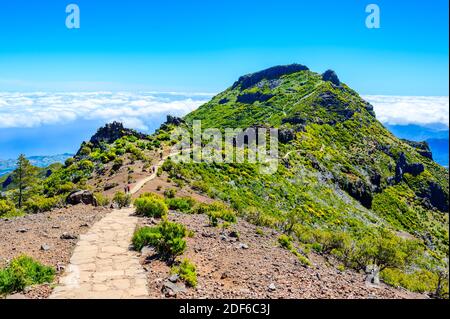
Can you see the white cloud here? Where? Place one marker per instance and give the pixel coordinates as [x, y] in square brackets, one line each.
[137, 110]
[134, 109]
[403, 110]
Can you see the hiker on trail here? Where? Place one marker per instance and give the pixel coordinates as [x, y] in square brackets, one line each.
[126, 189]
[161, 155]
[153, 169]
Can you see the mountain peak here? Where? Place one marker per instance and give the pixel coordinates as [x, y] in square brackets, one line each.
[274, 72]
[112, 132]
[331, 76]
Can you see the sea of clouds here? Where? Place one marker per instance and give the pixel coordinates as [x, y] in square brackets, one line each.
[133, 109]
[405, 110]
[27, 110]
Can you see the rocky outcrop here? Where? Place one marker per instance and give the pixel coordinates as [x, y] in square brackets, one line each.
[286, 135]
[250, 98]
[331, 76]
[174, 120]
[112, 132]
[275, 72]
[332, 103]
[403, 167]
[369, 108]
[296, 119]
[81, 197]
[358, 190]
[435, 196]
[421, 147]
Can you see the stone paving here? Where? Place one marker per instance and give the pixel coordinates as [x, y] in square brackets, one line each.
[102, 265]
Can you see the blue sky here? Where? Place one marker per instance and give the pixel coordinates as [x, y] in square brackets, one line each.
[205, 45]
[127, 52]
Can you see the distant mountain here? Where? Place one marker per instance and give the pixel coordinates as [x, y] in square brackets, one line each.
[439, 148]
[437, 138]
[9, 165]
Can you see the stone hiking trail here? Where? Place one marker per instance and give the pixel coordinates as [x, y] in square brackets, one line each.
[102, 265]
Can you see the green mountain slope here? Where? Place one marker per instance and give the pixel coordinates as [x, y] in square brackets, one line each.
[340, 169]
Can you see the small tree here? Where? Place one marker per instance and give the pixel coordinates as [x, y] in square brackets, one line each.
[24, 177]
[386, 250]
[441, 271]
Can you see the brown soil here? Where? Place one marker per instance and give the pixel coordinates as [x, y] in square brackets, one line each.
[26, 235]
[225, 270]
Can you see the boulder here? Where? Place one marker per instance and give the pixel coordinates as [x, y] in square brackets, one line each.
[372, 275]
[109, 186]
[81, 197]
[66, 235]
[170, 289]
[173, 278]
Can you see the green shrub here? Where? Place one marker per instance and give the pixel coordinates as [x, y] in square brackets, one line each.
[23, 271]
[182, 204]
[86, 166]
[285, 241]
[69, 161]
[146, 236]
[65, 188]
[417, 281]
[102, 200]
[150, 207]
[167, 238]
[259, 232]
[386, 250]
[216, 211]
[213, 218]
[170, 192]
[6, 207]
[122, 199]
[172, 243]
[200, 186]
[39, 204]
[187, 272]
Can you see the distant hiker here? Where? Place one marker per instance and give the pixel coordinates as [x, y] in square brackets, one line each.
[153, 169]
[161, 155]
[126, 189]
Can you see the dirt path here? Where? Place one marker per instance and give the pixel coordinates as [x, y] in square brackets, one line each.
[102, 265]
